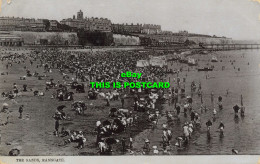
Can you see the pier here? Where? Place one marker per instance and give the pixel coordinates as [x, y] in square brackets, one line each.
[230, 46]
[214, 47]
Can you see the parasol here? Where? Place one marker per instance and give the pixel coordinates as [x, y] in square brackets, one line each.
[113, 110]
[5, 105]
[106, 122]
[61, 107]
[111, 141]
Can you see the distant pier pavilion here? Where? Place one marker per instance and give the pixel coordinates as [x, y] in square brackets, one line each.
[7, 39]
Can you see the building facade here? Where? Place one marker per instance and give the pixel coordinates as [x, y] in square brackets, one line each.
[151, 29]
[136, 28]
[98, 24]
[74, 23]
[53, 25]
[80, 15]
[182, 37]
[21, 24]
[88, 24]
[6, 39]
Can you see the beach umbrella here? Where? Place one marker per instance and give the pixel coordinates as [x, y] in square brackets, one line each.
[234, 151]
[106, 122]
[111, 141]
[5, 105]
[113, 110]
[117, 121]
[61, 107]
[14, 152]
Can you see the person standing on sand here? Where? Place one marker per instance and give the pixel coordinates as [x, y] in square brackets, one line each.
[123, 145]
[122, 101]
[146, 147]
[178, 110]
[130, 142]
[227, 92]
[107, 99]
[212, 96]
[57, 125]
[21, 111]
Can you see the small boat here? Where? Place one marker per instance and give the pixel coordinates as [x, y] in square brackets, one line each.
[205, 69]
[214, 59]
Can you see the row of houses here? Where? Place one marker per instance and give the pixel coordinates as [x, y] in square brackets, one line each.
[104, 24]
[136, 28]
[21, 24]
[181, 37]
[74, 24]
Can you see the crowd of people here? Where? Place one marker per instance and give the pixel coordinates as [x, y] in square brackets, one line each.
[79, 68]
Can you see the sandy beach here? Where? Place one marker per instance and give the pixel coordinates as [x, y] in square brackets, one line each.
[33, 134]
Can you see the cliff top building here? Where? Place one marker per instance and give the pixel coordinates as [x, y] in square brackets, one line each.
[151, 29]
[88, 24]
[80, 15]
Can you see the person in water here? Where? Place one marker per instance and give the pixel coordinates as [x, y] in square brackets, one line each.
[236, 109]
[221, 128]
[242, 111]
[221, 125]
[220, 106]
[209, 124]
[214, 112]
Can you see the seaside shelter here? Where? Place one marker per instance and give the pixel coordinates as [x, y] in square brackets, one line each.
[7, 39]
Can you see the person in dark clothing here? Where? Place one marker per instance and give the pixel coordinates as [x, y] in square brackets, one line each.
[135, 97]
[122, 101]
[130, 142]
[146, 148]
[172, 89]
[57, 125]
[221, 128]
[123, 145]
[98, 134]
[212, 96]
[25, 88]
[209, 124]
[221, 125]
[219, 99]
[236, 109]
[242, 111]
[108, 103]
[178, 109]
[135, 106]
[21, 111]
[192, 115]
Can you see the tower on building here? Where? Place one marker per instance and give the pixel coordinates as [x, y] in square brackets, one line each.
[80, 15]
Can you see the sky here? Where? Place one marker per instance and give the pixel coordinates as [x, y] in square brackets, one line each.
[237, 19]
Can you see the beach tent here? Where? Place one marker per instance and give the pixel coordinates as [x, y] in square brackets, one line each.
[158, 62]
[142, 63]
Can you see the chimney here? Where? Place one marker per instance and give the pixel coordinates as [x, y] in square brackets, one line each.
[74, 17]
